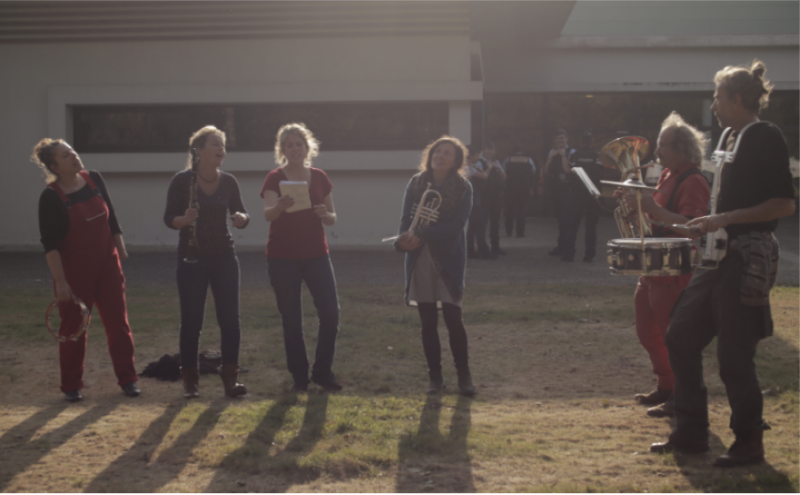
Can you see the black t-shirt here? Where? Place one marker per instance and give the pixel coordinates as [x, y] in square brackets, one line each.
[759, 172]
[213, 236]
[54, 216]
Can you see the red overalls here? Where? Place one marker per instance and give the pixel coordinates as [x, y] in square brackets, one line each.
[656, 296]
[93, 272]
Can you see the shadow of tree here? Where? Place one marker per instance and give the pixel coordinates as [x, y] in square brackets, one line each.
[18, 451]
[429, 461]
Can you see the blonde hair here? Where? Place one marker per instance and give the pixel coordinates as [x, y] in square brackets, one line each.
[460, 158]
[44, 156]
[298, 129]
[199, 138]
[749, 83]
[687, 140]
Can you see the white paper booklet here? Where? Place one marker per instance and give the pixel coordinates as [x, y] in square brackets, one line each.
[299, 192]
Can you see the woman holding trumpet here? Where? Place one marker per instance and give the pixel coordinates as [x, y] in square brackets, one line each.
[297, 252]
[682, 194]
[83, 247]
[436, 254]
[199, 200]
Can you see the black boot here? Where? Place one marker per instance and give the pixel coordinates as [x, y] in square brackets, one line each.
[465, 382]
[436, 385]
[747, 449]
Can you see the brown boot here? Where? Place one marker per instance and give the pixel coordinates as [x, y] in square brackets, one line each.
[191, 386]
[230, 375]
[747, 449]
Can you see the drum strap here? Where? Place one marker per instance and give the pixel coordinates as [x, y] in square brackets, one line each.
[661, 231]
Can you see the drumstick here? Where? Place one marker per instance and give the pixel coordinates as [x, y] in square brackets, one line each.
[674, 225]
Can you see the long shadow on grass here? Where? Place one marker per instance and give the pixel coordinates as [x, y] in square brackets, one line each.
[117, 476]
[757, 478]
[18, 451]
[429, 461]
[253, 457]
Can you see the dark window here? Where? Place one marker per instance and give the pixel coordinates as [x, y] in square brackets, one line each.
[338, 126]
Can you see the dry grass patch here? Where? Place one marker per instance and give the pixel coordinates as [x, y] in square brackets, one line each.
[556, 369]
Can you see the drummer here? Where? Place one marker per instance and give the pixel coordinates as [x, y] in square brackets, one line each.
[682, 194]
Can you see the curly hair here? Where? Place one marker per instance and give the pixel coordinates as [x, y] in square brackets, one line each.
[460, 159]
[749, 83]
[199, 138]
[44, 157]
[298, 129]
[687, 140]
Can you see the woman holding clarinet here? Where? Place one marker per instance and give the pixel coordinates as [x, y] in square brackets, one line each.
[199, 201]
[83, 247]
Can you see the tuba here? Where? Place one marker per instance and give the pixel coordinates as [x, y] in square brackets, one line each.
[624, 154]
[426, 212]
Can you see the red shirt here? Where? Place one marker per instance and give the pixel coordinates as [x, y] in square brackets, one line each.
[299, 235]
[691, 199]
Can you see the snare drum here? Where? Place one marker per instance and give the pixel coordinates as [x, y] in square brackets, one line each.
[661, 257]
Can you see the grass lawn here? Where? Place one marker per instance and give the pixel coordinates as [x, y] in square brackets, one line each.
[556, 368]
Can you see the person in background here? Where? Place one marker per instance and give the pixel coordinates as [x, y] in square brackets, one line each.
[476, 231]
[492, 200]
[520, 182]
[83, 247]
[589, 160]
[297, 252]
[731, 302]
[216, 265]
[436, 260]
[568, 205]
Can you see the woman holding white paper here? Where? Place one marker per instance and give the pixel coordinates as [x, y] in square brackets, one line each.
[297, 252]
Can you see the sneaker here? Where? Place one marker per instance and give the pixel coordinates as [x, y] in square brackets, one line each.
[654, 398]
[131, 389]
[73, 396]
[327, 382]
[665, 410]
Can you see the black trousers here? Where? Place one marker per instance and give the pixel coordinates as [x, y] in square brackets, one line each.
[516, 205]
[711, 307]
[493, 207]
[221, 272]
[430, 335]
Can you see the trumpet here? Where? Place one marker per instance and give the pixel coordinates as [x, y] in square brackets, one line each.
[426, 212]
[623, 154]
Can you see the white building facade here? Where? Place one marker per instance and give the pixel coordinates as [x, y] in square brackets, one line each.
[444, 62]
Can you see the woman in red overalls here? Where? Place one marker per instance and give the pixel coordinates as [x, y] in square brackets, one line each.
[83, 247]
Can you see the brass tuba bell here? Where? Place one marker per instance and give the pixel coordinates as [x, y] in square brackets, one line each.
[624, 154]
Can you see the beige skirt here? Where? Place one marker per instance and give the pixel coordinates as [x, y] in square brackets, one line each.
[426, 284]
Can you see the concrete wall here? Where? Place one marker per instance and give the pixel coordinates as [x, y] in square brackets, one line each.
[40, 81]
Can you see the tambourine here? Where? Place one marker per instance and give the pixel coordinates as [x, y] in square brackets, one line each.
[48, 318]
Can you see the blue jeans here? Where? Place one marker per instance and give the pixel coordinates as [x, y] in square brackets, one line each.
[221, 272]
[287, 277]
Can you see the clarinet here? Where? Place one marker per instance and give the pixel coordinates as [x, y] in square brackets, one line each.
[191, 254]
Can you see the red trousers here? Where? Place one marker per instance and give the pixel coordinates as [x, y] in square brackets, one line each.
[654, 299]
[100, 284]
